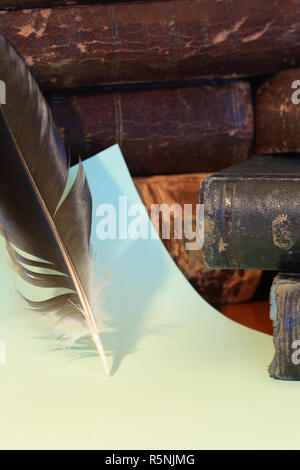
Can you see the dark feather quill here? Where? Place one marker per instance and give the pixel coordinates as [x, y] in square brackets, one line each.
[33, 217]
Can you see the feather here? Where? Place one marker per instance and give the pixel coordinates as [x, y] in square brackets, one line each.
[43, 227]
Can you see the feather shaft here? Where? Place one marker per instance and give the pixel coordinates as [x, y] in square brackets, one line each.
[91, 323]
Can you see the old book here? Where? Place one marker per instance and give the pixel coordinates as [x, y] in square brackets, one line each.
[251, 215]
[278, 114]
[15, 4]
[186, 129]
[216, 286]
[285, 314]
[149, 41]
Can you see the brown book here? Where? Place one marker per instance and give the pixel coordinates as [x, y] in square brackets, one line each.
[23, 4]
[15, 4]
[277, 117]
[216, 286]
[149, 41]
[184, 130]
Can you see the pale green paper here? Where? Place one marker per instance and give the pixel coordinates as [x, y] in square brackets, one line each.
[184, 375]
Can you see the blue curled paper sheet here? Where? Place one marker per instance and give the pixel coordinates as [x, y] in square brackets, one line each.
[184, 376]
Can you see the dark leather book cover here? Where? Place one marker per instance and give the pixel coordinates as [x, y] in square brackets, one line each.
[23, 4]
[161, 131]
[216, 286]
[145, 41]
[252, 215]
[278, 114]
[284, 312]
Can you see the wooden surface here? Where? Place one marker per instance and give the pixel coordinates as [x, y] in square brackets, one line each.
[255, 315]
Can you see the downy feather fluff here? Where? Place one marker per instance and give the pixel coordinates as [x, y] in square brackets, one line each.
[34, 219]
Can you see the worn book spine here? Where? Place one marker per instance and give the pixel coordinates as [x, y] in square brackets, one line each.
[285, 314]
[216, 286]
[160, 131]
[252, 215]
[23, 4]
[149, 41]
[278, 113]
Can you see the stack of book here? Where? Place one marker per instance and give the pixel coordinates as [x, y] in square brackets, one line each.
[174, 82]
[252, 214]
